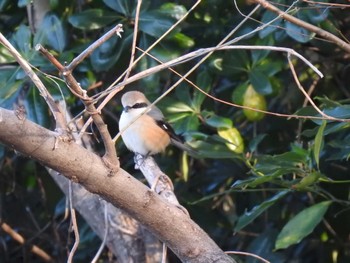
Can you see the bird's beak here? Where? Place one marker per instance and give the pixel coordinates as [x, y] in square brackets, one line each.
[127, 108]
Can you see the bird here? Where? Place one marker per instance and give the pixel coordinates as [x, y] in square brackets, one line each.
[146, 134]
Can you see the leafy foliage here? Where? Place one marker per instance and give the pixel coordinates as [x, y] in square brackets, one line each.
[262, 187]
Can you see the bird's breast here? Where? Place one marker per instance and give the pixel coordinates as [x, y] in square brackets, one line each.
[143, 136]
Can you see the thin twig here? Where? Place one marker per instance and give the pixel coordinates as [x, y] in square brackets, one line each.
[183, 77]
[74, 225]
[164, 253]
[103, 244]
[317, 30]
[114, 31]
[127, 72]
[57, 114]
[113, 87]
[110, 156]
[300, 125]
[305, 93]
[20, 239]
[247, 254]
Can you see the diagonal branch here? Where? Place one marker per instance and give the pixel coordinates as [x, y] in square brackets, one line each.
[185, 238]
[317, 30]
[110, 158]
[61, 124]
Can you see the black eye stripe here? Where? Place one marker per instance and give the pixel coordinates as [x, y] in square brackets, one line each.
[139, 105]
[136, 106]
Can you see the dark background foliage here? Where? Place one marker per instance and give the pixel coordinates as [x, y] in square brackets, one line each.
[260, 176]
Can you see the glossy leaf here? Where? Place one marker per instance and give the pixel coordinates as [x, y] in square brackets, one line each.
[233, 137]
[178, 106]
[190, 122]
[298, 33]
[235, 62]
[92, 19]
[216, 121]
[253, 144]
[125, 7]
[263, 246]
[307, 181]
[3, 4]
[248, 217]
[36, 107]
[173, 10]
[184, 166]
[204, 81]
[106, 55]
[22, 40]
[256, 101]
[318, 14]
[301, 225]
[214, 150]
[319, 143]
[55, 32]
[155, 23]
[266, 18]
[260, 82]
[182, 40]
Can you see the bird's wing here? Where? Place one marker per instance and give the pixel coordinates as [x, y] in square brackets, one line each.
[155, 113]
[169, 130]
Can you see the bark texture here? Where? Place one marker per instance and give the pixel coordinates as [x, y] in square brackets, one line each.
[169, 223]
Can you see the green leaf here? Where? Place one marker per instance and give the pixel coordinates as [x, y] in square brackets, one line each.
[125, 7]
[213, 150]
[92, 19]
[204, 81]
[267, 17]
[3, 4]
[182, 40]
[173, 10]
[319, 143]
[301, 225]
[36, 107]
[233, 137]
[317, 14]
[263, 245]
[260, 81]
[248, 217]
[155, 23]
[184, 166]
[55, 32]
[235, 62]
[188, 122]
[21, 40]
[106, 55]
[307, 181]
[298, 33]
[178, 106]
[216, 121]
[253, 144]
[238, 93]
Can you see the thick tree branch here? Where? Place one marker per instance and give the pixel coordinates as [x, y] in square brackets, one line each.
[186, 239]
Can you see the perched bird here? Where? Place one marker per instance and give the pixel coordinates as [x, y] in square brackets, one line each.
[146, 134]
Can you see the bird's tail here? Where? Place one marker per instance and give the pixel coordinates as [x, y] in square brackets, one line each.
[184, 147]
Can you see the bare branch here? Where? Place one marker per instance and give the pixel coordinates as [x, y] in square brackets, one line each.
[110, 157]
[186, 239]
[56, 112]
[114, 31]
[20, 239]
[317, 30]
